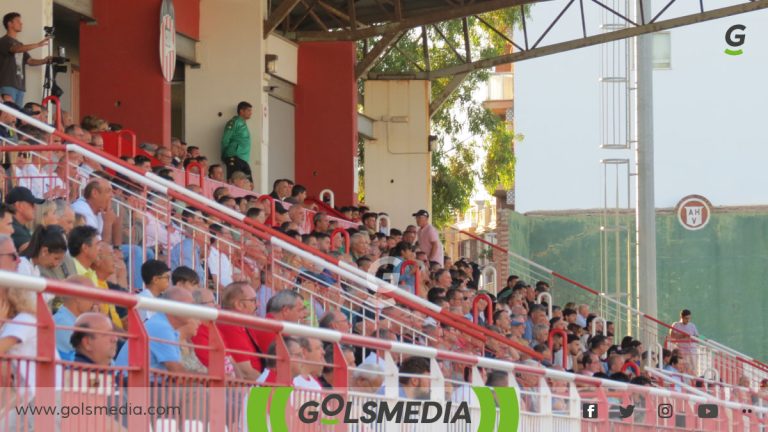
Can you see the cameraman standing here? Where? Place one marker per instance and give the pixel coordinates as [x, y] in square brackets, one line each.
[14, 57]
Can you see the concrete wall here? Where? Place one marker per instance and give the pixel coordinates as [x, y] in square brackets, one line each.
[718, 272]
[35, 14]
[281, 139]
[397, 163]
[231, 55]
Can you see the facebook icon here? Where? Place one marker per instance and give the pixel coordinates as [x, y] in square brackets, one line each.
[589, 410]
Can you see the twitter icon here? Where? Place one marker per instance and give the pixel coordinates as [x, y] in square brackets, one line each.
[626, 412]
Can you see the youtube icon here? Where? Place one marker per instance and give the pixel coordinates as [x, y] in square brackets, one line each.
[707, 411]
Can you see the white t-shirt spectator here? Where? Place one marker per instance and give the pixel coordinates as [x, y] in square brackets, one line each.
[31, 178]
[220, 265]
[27, 268]
[156, 233]
[309, 383]
[23, 327]
[81, 207]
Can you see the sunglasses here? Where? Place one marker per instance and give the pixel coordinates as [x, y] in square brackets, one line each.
[36, 112]
[24, 155]
[14, 256]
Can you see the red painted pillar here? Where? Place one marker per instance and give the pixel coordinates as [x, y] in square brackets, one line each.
[326, 119]
[120, 68]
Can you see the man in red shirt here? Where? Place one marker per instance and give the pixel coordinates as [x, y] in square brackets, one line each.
[286, 305]
[241, 297]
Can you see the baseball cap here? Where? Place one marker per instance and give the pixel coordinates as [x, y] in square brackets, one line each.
[421, 213]
[22, 194]
[518, 320]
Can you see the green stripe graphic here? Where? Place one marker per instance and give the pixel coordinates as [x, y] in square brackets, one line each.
[277, 411]
[509, 409]
[256, 411]
[734, 52]
[257, 408]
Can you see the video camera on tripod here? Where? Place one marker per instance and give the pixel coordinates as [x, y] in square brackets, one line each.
[58, 64]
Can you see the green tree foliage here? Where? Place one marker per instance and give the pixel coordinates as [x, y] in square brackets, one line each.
[462, 115]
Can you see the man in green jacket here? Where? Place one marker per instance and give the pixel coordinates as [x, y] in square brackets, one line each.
[236, 142]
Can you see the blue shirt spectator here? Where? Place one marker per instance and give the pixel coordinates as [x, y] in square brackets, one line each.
[187, 253]
[157, 327]
[64, 318]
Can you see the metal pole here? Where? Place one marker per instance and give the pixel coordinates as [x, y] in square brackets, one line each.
[646, 207]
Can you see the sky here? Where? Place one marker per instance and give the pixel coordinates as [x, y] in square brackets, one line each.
[710, 116]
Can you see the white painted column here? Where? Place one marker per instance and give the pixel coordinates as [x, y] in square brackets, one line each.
[231, 55]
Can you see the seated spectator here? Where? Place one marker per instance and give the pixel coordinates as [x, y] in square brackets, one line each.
[286, 305]
[311, 364]
[164, 155]
[18, 335]
[367, 378]
[26, 174]
[216, 172]
[219, 264]
[157, 277]
[240, 180]
[165, 356]
[188, 251]
[71, 308]
[540, 335]
[91, 344]
[321, 222]
[335, 320]
[241, 297]
[46, 249]
[95, 206]
[415, 379]
[298, 195]
[105, 267]
[6, 219]
[142, 163]
[83, 247]
[377, 356]
[185, 277]
[23, 203]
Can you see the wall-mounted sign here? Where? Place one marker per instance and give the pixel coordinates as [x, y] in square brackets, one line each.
[167, 40]
[694, 212]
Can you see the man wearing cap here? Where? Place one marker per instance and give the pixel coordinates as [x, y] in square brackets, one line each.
[24, 203]
[429, 240]
[518, 329]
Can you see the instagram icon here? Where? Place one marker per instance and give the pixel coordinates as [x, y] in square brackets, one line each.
[665, 411]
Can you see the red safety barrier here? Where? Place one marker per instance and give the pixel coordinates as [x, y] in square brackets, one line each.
[200, 176]
[345, 234]
[563, 348]
[56, 102]
[272, 208]
[416, 275]
[631, 365]
[488, 308]
[132, 135]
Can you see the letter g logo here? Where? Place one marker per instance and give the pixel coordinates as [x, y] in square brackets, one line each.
[735, 39]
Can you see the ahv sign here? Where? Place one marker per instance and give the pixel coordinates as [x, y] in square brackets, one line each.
[693, 212]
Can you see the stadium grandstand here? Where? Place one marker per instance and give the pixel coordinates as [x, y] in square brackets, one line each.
[150, 287]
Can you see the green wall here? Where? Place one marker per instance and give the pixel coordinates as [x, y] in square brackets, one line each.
[718, 272]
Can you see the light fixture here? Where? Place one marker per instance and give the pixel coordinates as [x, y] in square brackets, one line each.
[271, 63]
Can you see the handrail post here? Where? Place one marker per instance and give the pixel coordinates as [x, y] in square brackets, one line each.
[630, 365]
[56, 102]
[484, 278]
[45, 366]
[344, 233]
[217, 406]
[200, 177]
[131, 134]
[138, 376]
[378, 223]
[488, 308]
[605, 325]
[272, 214]
[549, 303]
[332, 201]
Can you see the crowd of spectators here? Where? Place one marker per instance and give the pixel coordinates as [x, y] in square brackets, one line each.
[69, 227]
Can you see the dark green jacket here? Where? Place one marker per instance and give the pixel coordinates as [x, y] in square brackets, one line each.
[236, 140]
